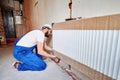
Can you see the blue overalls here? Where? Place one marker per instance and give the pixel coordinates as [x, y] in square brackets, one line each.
[29, 60]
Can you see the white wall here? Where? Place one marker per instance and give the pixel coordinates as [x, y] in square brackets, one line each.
[49, 11]
[91, 8]
[57, 10]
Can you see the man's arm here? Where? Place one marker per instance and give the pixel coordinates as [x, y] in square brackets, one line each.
[42, 52]
[47, 47]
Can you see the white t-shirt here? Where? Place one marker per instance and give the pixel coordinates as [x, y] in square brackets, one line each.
[30, 39]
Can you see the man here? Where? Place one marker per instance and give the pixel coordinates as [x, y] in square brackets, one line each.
[24, 50]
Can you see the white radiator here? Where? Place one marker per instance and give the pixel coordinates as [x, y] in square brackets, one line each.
[98, 49]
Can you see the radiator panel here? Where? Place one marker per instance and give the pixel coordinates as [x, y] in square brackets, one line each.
[97, 49]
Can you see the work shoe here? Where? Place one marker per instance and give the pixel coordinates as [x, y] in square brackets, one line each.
[15, 64]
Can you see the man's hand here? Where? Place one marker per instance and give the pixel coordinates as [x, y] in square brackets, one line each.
[56, 59]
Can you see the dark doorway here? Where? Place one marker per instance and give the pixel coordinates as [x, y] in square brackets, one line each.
[8, 22]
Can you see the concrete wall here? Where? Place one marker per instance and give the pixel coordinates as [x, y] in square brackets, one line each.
[2, 32]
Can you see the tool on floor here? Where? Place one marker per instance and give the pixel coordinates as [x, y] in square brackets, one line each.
[56, 59]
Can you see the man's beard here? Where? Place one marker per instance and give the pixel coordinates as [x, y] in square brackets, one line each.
[46, 34]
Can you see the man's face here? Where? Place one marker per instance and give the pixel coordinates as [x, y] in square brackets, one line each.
[48, 33]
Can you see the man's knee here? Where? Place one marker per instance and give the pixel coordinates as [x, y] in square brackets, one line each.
[42, 66]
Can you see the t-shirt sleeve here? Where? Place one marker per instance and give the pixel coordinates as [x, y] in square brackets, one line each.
[40, 37]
